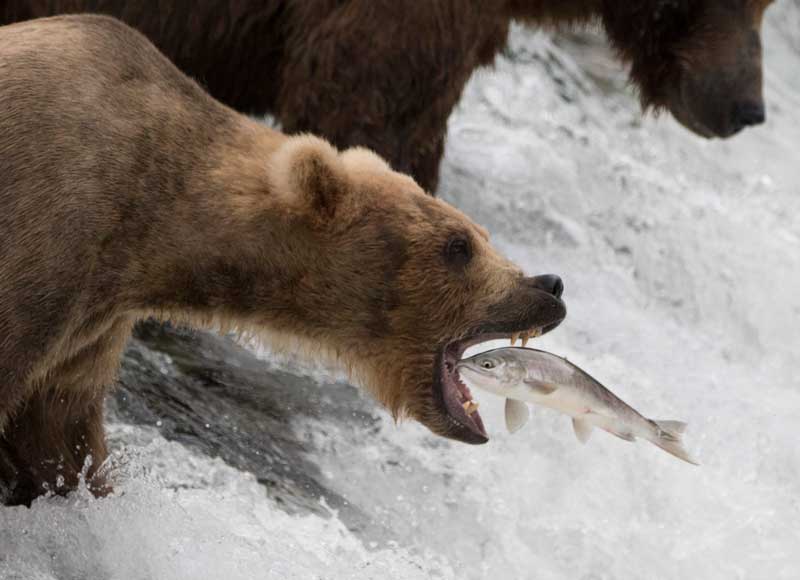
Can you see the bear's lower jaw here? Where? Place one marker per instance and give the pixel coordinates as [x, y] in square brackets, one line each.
[690, 122]
[453, 399]
[462, 420]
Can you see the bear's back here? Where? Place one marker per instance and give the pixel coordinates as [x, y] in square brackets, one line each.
[98, 134]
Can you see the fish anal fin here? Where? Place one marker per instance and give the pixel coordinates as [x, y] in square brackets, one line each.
[516, 415]
[540, 386]
[623, 436]
[583, 429]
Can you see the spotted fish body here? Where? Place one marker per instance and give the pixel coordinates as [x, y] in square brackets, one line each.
[524, 375]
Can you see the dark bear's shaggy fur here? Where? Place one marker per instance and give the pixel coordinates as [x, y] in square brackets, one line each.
[127, 192]
[387, 73]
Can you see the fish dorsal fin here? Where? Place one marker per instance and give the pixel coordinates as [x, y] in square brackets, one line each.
[540, 387]
[516, 415]
[583, 429]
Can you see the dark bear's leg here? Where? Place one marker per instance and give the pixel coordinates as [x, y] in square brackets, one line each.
[425, 166]
[52, 440]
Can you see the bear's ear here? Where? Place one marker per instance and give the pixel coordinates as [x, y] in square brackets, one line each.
[356, 158]
[309, 170]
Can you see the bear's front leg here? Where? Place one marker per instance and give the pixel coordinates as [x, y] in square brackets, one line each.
[54, 434]
[50, 443]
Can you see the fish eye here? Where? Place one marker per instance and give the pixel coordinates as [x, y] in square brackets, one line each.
[488, 364]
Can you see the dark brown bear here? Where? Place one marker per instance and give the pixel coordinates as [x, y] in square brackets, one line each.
[386, 74]
[127, 192]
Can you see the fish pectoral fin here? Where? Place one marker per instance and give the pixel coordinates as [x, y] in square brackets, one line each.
[516, 415]
[540, 387]
[583, 429]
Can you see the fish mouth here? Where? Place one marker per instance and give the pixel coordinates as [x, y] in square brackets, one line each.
[453, 398]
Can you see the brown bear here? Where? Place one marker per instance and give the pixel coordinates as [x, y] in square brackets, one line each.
[126, 191]
[386, 74]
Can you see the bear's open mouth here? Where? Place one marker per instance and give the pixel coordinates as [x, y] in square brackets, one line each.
[454, 396]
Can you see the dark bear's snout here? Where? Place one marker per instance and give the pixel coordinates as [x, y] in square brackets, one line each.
[746, 114]
[720, 104]
[718, 78]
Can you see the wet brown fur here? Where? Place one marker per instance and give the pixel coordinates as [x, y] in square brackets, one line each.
[386, 74]
[126, 191]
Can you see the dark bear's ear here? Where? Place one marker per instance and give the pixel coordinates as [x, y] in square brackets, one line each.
[309, 170]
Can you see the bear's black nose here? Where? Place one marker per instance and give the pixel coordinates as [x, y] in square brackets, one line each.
[748, 113]
[550, 283]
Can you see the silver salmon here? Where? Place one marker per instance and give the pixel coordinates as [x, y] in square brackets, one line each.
[535, 376]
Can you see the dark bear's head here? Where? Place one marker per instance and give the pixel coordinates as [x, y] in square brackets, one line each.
[395, 283]
[699, 59]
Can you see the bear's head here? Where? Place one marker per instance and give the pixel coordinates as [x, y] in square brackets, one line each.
[699, 59]
[394, 283]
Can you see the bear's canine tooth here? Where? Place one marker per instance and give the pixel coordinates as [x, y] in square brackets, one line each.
[514, 337]
[470, 407]
[525, 338]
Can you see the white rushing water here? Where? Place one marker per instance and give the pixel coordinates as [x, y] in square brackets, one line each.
[681, 260]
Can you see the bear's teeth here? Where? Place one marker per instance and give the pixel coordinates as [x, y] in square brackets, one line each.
[514, 338]
[526, 336]
[470, 407]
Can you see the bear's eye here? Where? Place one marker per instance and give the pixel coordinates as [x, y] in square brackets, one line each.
[458, 251]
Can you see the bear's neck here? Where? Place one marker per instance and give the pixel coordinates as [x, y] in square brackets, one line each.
[228, 256]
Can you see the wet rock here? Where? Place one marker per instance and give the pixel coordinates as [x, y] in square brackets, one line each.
[214, 396]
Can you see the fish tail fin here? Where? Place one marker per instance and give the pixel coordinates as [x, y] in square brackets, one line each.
[669, 437]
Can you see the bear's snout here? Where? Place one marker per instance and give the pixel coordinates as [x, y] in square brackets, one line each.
[747, 114]
[550, 283]
[534, 302]
[537, 303]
